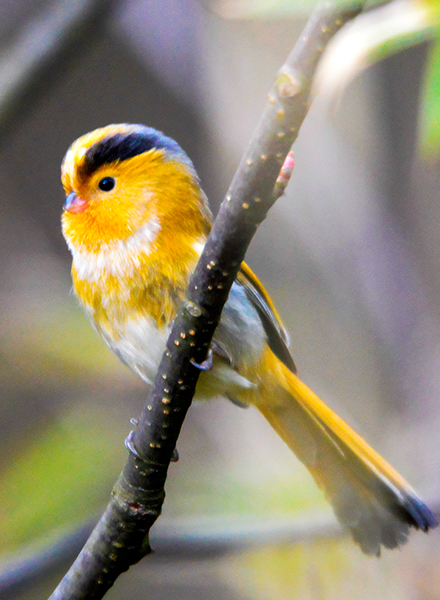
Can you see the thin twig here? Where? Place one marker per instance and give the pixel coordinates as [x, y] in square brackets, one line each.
[181, 539]
[121, 537]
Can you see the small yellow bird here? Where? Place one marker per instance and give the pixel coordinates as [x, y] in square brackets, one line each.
[136, 220]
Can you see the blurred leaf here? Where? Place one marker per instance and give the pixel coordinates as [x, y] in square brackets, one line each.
[429, 119]
[62, 477]
[372, 37]
[246, 9]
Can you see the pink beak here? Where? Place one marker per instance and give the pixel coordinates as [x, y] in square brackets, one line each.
[74, 204]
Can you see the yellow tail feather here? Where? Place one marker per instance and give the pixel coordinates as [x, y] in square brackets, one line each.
[368, 496]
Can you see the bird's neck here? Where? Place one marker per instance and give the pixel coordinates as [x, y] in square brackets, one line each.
[146, 273]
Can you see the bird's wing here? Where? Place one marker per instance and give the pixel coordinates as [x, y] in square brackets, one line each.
[277, 337]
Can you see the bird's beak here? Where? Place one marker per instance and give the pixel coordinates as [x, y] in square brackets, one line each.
[74, 204]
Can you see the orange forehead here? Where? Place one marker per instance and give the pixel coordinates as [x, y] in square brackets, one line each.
[114, 144]
[75, 156]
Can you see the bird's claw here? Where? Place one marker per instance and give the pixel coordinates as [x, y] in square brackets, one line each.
[130, 445]
[206, 365]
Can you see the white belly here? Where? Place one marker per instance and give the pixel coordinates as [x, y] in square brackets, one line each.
[140, 344]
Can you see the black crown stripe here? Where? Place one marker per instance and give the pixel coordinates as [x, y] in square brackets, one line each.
[122, 146]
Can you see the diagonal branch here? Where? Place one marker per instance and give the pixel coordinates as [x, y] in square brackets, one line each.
[121, 537]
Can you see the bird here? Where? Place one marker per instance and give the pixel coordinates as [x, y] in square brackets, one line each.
[135, 220]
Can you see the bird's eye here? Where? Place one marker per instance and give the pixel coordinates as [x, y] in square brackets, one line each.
[107, 184]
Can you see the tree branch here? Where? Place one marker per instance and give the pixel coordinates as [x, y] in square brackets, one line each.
[120, 539]
[181, 539]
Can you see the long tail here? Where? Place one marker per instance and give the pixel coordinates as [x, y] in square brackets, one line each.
[369, 497]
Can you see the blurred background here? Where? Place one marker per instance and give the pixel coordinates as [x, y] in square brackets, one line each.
[350, 256]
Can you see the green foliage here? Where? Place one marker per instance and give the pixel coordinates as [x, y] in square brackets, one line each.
[249, 9]
[53, 484]
[377, 34]
[429, 121]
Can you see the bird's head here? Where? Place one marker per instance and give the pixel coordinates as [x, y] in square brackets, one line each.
[120, 178]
